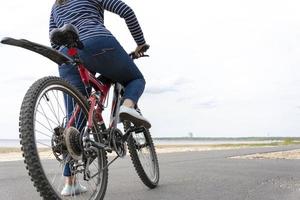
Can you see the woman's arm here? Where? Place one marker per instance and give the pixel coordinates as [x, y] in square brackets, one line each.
[124, 11]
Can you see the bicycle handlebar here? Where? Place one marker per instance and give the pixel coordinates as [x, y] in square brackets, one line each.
[141, 52]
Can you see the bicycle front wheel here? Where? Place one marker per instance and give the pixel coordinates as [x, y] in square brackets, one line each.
[144, 158]
[52, 151]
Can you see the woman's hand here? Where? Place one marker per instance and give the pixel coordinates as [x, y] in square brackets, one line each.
[140, 50]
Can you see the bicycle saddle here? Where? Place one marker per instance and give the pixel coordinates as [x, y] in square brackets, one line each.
[66, 36]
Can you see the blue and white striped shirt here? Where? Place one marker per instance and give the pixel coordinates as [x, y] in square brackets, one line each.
[88, 17]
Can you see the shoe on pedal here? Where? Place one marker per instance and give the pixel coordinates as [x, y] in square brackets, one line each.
[70, 190]
[132, 115]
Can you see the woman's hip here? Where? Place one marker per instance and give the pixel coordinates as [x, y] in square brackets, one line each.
[106, 56]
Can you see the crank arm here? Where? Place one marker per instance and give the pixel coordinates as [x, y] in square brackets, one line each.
[131, 130]
[99, 145]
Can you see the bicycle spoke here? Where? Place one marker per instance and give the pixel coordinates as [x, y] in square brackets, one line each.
[48, 119]
[94, 187]
[44, 114]
[59, 105]
[43, 144]
[42, 133]
[83, 122]
[44, 126]
[74, 109]
[56, 116]
[46, 99]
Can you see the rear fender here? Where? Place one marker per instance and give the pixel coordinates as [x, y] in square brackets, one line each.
[48, 52]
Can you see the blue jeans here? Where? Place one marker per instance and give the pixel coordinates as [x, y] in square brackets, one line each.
[106, 56]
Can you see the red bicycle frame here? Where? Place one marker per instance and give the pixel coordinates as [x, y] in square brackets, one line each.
[95, 100]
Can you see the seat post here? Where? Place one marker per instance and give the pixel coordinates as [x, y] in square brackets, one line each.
[73, 52]
[84, 73]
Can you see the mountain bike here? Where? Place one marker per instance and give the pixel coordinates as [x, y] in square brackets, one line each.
[60, 127]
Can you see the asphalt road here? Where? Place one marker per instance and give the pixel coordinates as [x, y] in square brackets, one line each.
[209, 175]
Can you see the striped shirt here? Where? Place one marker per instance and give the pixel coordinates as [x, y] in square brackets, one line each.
[88, 17]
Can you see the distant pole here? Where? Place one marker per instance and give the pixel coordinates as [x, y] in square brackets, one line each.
[191, 135]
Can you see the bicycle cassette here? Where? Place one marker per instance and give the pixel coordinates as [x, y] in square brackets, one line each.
[73, 144]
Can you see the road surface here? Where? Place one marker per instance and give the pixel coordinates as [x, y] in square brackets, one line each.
[209, 175]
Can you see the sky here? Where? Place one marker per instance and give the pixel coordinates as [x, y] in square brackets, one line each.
[216, 68]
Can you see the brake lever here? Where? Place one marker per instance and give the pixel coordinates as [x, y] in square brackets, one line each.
[133, 56]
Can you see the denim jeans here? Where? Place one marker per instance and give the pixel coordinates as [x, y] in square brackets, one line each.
[106, 56]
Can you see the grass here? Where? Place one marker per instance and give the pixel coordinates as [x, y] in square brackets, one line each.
[287, 141]
[9, 149]
[17, 150]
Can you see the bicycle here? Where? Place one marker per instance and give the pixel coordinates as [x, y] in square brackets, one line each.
[60, 126]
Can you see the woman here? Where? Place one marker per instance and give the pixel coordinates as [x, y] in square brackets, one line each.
[103, 54]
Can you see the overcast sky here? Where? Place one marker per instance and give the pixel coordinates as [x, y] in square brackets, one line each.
[217, 68]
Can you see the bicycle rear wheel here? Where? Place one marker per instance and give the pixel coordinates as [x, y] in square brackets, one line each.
[144, 158]
[50, 149]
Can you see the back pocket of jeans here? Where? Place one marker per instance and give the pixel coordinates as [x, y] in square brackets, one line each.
[103, 51]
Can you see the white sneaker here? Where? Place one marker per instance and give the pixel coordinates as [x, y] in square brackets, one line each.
[69, 190]
[133, 116]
